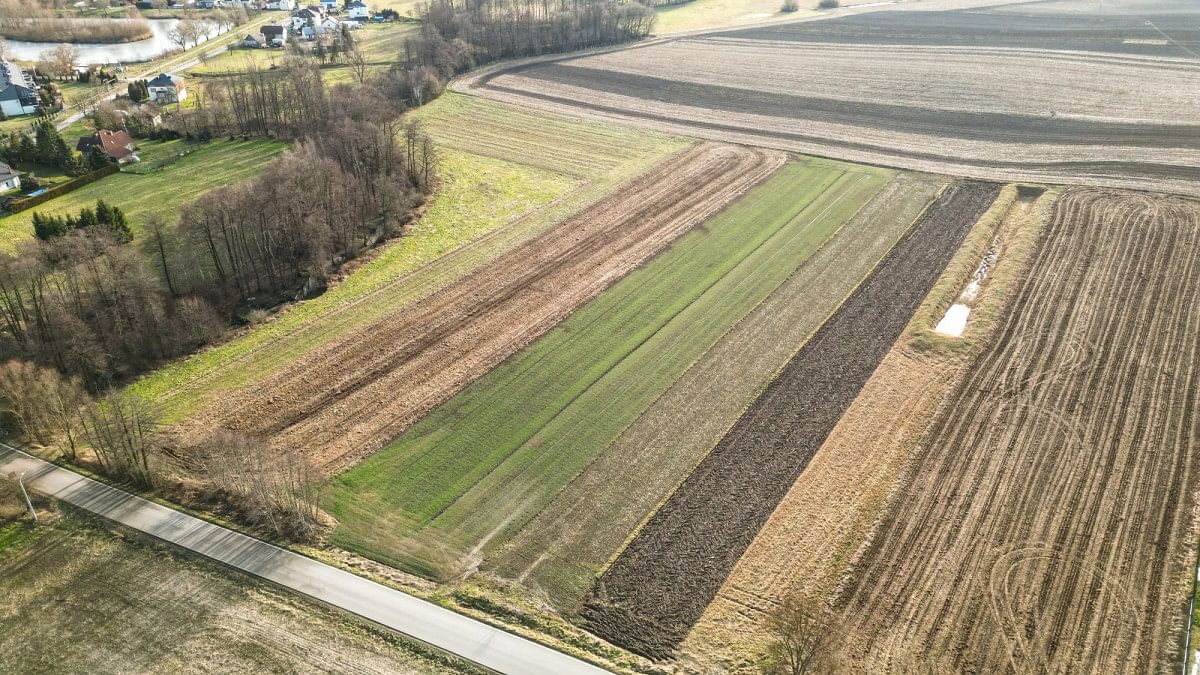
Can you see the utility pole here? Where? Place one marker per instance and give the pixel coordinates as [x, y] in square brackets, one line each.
[28, 504]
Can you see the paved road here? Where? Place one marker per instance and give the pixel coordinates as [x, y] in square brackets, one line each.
[416, 618]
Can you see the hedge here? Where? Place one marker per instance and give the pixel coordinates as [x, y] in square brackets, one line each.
[20, 204]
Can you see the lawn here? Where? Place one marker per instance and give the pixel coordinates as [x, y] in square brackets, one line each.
[484, 207]
[161, 192]
[381, 43]
[466, 478]
[81, 598]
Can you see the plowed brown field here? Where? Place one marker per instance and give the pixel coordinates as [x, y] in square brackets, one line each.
[1049, 522]
[352, 396]
[1063, 98]
[658, 587]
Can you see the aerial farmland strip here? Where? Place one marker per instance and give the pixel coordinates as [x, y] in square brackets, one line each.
[660, 584]
[572, 539]
[1049, 525]
[351, 397]
[476, 468]
[963, 124]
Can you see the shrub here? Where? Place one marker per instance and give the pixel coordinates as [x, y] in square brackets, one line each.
[790, 6]
[828, 4]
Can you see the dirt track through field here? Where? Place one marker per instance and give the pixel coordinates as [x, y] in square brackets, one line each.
[1048, 526]
[659, 586]
[351, 397]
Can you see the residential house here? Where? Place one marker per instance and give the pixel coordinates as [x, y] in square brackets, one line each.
[306, 17]
[254, 41]
[329, 26]
[9, 179]
[282, 5]
[18, 96]
[167, 89]
[275, 35]
[116, 144]
[330, 6]
[357, 10]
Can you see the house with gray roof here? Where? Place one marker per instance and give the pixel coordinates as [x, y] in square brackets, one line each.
[18, 96]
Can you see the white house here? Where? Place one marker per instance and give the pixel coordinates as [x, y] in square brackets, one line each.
[308, 16]
[284, 5]
[167, 89]
[329, 5]
[357, 10]
[9, 180]
[18, 96]
[274, 35]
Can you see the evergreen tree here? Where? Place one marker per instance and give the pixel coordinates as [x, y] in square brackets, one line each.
[87, 218]
[47, 227]
[97, 159]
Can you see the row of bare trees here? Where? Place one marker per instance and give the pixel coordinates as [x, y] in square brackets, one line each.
[353, 178]
[120, 436]
[91, 307]
[459, 34]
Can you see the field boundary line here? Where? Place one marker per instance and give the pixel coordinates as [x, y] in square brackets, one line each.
[650, 514]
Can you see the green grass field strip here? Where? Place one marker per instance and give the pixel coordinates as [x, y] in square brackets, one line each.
[544, 140]
[488, 204]
[574, 536]
[478, 196]
[160, 193]
[595, 418]
[499, 420]
[484, 207]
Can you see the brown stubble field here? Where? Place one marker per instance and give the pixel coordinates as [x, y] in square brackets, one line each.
[656, 589]
[805, 547]
[356, 394]
[1001, 108]
[1048, 523]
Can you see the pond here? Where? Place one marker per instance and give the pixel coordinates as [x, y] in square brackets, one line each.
[95, 53]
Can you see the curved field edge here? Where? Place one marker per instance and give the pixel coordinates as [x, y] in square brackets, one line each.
[484, 207]
[572, 540]
[425, 503]
[479, 195]
[1065, 464]
[808, 544]
[356, 395]
[659, 585]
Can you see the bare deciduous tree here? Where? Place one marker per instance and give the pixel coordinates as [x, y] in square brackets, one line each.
[123, 430]
[802, 638]
[271, 489]
[40, 404]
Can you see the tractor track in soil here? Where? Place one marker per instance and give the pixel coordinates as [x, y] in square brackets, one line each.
[1048, 525]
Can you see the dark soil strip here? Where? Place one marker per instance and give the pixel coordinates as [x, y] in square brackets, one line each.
[1130, 33]
[974, 126]
[1093, 169]
[654, 592]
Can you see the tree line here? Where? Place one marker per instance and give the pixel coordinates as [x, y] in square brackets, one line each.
[457, 35]
[110, 218]
[45, 147]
